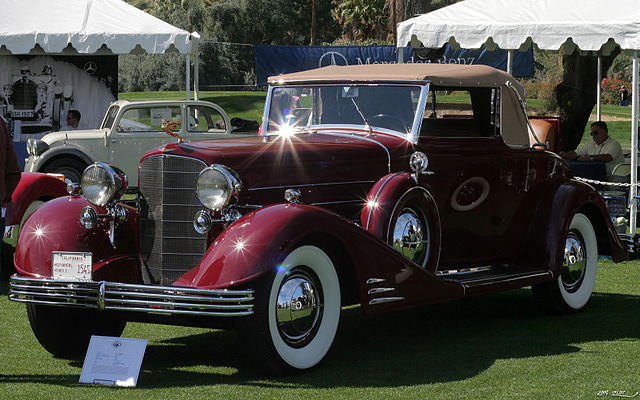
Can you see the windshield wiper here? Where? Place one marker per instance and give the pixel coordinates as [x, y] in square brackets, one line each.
[366, 123]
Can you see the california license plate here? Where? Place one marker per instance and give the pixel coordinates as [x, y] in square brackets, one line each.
[71, 266]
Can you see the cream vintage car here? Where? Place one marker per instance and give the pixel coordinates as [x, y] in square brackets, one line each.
[128, 130]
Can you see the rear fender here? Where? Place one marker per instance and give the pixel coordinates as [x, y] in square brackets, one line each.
[552, 221]
[56, 227]
[259, 241]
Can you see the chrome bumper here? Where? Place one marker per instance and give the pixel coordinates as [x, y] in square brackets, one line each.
[129, 297]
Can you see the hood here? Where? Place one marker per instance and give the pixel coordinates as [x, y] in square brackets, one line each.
[299, 160]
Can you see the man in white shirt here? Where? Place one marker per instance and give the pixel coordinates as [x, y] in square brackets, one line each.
[602, 148]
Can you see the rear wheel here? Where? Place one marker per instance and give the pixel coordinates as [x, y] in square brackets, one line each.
[66, 332]
[297, 312]
[573, 288]
[71, 168]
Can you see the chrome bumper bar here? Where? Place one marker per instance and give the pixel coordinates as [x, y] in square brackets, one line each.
[129, 297]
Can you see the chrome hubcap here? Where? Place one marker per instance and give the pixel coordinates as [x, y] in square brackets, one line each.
[299, 308]
[575, 262]
[411, 236]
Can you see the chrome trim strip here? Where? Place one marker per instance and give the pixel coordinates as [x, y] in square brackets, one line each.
[382, 300]
[380, 290]
[375, 199]
[374, 280]
[464, 271]
[324, 203]
[310, 185]
[513, 279]
[367, 139]
[130, 297]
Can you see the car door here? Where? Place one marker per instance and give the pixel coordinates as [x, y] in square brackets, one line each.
[139, 130]
[478, 182]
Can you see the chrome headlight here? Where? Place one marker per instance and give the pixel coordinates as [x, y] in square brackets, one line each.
[102, 183]
[36, 147]
[216, 186]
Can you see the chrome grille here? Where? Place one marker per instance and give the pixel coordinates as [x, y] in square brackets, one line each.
[169, 245]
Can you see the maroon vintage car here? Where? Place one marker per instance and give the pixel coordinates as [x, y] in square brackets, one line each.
[367, 185]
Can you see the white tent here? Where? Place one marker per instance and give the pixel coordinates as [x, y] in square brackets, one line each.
[72, 27]
[594, 25]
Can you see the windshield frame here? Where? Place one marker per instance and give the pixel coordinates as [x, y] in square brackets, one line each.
[411, 136]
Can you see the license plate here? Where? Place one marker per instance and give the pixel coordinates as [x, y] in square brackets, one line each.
[22, 114]
[71, 266]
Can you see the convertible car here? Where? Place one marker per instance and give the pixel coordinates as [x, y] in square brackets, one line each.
[388, 186]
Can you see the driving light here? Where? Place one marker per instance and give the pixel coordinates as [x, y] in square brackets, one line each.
[102, 183]
[216, 186]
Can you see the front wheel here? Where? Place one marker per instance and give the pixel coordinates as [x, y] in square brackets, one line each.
[573, 288]
[297, 312]
[65, 332]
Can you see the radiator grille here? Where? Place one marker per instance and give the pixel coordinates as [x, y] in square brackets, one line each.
[169, 245]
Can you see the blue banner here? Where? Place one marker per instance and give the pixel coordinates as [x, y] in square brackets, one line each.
[275, 60]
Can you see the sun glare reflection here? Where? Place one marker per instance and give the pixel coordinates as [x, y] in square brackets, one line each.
[372, 204]
[239, 245]
[38, 232]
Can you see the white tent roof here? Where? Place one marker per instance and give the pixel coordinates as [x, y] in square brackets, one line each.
[87, 25]
[549, 23]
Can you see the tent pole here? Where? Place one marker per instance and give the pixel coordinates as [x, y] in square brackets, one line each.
[510, 61]
[196, 75]
[400, 55]
[634, 146]
[599, 89]
[188, 77]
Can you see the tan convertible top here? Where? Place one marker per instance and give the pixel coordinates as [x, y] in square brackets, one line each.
[441, 74]
[513, 125]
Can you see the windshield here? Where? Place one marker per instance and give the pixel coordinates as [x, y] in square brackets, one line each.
[109, 117]
[381, 107]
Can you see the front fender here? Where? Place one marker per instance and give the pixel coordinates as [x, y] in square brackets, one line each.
[259, 241]
[552, 221]
[56, 227]
[59, 151]
[32, 186]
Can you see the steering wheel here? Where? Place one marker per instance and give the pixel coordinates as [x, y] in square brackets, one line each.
[393, 119]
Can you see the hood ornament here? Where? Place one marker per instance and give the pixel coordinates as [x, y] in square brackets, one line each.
[168, 126]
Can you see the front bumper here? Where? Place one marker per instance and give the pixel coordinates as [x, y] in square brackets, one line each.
[168, 300]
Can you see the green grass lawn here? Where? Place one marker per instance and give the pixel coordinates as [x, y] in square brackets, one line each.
[491, 347]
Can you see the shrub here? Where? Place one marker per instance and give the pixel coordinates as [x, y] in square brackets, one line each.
[611, 90]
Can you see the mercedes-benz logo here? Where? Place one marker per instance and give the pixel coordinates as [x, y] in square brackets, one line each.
[90, 67]
[332, 58]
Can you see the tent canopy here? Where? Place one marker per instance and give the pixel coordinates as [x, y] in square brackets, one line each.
[510, 23]
[87, 26]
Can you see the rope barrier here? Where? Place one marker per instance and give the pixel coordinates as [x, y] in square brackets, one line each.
[607, 183]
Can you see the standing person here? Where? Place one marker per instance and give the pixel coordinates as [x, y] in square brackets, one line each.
[9, 172]
[624, 96]
[602, 148]
[73, 120]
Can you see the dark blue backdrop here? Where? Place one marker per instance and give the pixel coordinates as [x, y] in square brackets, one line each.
[275, 60]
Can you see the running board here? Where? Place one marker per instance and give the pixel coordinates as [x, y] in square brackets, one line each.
[484, 278]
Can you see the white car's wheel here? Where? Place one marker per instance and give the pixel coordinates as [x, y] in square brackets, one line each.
[573, 288]
[294, 324]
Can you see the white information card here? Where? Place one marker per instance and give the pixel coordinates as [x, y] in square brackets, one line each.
[113, 361]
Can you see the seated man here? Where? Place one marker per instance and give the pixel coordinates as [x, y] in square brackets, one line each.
[602, 148]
